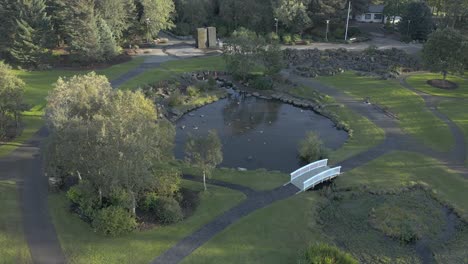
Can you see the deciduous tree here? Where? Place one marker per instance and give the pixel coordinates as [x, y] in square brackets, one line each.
[446, 51]
[204, 152]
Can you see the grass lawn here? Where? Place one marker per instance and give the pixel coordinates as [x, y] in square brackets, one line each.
[82, 245]
[403, 169]
[174, 68]
[275, 234]
[38, 85]
[13, 247]
[278, 233]
[419, 81]
[260, 180]
[457, 112]
[413, 117]
[365, 133]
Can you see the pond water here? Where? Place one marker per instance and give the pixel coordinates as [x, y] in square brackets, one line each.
[257, 133]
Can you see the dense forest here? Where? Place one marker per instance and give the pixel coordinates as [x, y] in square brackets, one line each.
[35, 32]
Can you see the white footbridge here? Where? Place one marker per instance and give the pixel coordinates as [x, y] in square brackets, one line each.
[315, 173]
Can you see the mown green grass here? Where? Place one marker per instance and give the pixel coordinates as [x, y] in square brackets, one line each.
[412, 114]
[365, 133]
[419, 81]
[173, 68]
[275, 234]
[13, 247]
[279, 232]
[260, 180]
[38, 85]
[457, 111]
[404, 169]
[82, 245]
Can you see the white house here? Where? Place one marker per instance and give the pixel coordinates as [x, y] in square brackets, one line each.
[373, 15]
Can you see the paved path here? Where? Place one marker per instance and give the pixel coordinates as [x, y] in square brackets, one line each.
[255, 200]
[24, 165]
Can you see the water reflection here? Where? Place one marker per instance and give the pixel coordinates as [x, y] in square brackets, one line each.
[257, 133]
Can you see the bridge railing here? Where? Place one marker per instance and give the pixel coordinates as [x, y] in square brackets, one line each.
[325, 175]
[308, 168]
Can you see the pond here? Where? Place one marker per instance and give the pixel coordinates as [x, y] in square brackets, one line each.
[257, 133]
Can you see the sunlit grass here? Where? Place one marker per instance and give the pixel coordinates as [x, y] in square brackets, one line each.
[457, 111]
[82, 245]
[174, 68]
[414, 118]
[365, 133]
[13, 247]
[403, 169]
[419, 81]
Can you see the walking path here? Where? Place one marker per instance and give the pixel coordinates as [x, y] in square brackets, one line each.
[395, 140]
[24, 165]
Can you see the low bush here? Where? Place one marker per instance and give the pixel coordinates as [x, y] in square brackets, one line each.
[262, 83]
[84, 200]
[273, 37]
[326, 254]
[114, 221]
[354, 32]
[165, 210]
[287, 39]
[175, 99]
[193, 91]
[296, 38]
[311, 148]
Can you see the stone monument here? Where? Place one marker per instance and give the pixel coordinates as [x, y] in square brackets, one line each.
[202, 38]
[212, 41]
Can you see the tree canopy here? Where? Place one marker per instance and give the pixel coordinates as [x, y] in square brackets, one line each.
[445, 51]
[11, 100]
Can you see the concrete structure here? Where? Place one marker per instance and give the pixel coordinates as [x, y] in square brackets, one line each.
[202, 38]
[373, 15]
[212, 42]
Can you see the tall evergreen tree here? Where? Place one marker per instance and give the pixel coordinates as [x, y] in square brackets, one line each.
[154, 16]
[32, 32]
[118, 14]
[107, 43]
[83, 31]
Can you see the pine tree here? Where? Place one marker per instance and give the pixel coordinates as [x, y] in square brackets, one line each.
[32, 33]
[83, 31]
[107, 44]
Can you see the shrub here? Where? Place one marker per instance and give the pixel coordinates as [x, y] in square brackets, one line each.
[287, 39]
[166, 210]
[311, 148]
[296, 38]
[339, 33]
[84, 198]
[211, 83]
[354, 32]
[326, 254]
[193, 91]
[114, 221]
[262, 83]
[182, 29]
[222, 31]
[175, 99]
[272, 37]
[406, 39]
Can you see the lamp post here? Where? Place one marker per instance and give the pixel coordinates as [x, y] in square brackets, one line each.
[407, 31]
[276, 25]
[326, 31]
[147, 22]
